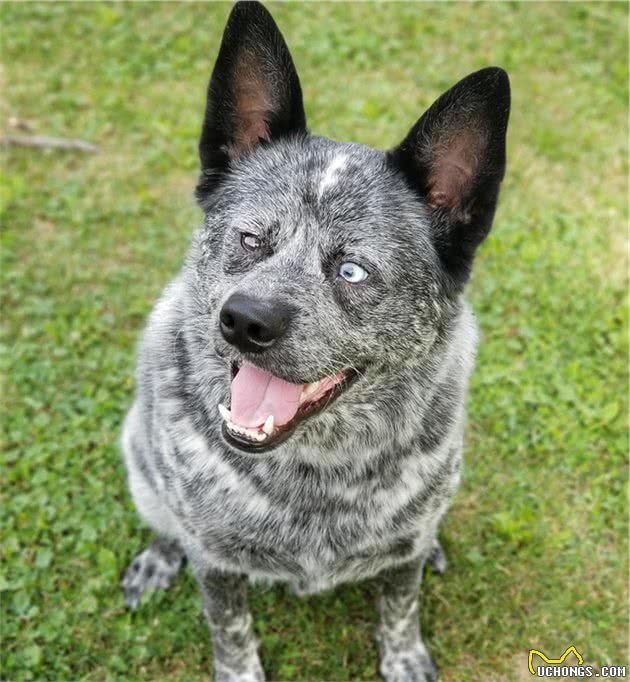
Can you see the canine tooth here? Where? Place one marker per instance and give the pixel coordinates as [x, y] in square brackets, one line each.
[268, 425]
[261, 436]
[225, 413]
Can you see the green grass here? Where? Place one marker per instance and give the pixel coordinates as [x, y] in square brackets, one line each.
[537, 535]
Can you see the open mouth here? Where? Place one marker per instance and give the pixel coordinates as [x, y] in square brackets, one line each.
[265, 409]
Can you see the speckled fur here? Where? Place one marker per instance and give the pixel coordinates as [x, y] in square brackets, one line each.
[359, 489]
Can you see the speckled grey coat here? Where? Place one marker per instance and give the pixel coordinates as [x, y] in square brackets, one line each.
[359, 488]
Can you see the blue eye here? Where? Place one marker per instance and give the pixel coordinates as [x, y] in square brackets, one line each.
[352, 272]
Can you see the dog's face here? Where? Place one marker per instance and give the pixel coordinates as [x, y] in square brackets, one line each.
[318, 260]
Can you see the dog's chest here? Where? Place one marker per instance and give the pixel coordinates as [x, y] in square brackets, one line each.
[289, 522]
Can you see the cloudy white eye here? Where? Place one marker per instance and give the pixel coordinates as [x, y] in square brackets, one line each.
[250, 241]
[352, 272]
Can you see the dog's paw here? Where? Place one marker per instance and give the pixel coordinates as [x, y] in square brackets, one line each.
[437, 559]
[155, 568]
[408, 666]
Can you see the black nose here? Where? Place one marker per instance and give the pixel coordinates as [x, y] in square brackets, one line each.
[252, 325]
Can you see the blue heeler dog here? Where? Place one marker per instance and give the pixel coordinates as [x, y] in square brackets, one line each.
[302, 381]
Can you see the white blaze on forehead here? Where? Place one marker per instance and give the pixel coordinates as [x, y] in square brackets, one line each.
[329, 176]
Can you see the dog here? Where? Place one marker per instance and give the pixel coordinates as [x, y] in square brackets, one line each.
[301, 383]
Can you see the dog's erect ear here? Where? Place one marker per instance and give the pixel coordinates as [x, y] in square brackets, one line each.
[254, 93]
[455, 158]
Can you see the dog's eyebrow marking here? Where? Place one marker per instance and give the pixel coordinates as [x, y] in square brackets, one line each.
[330, 174]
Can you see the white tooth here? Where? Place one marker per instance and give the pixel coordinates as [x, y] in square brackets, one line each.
[268, 425]
[225, 413]
[253, 434]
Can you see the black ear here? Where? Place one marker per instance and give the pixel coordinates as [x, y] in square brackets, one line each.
[455, 158]
[254, 93]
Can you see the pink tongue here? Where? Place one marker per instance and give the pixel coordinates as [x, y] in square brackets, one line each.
[256, 394]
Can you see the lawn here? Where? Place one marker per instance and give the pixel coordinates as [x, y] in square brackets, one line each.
[537, 537]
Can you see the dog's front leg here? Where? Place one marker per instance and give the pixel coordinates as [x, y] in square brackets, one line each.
[403, 656]
[233, 640]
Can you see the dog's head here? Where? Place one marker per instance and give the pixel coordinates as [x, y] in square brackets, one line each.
[319, 260]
